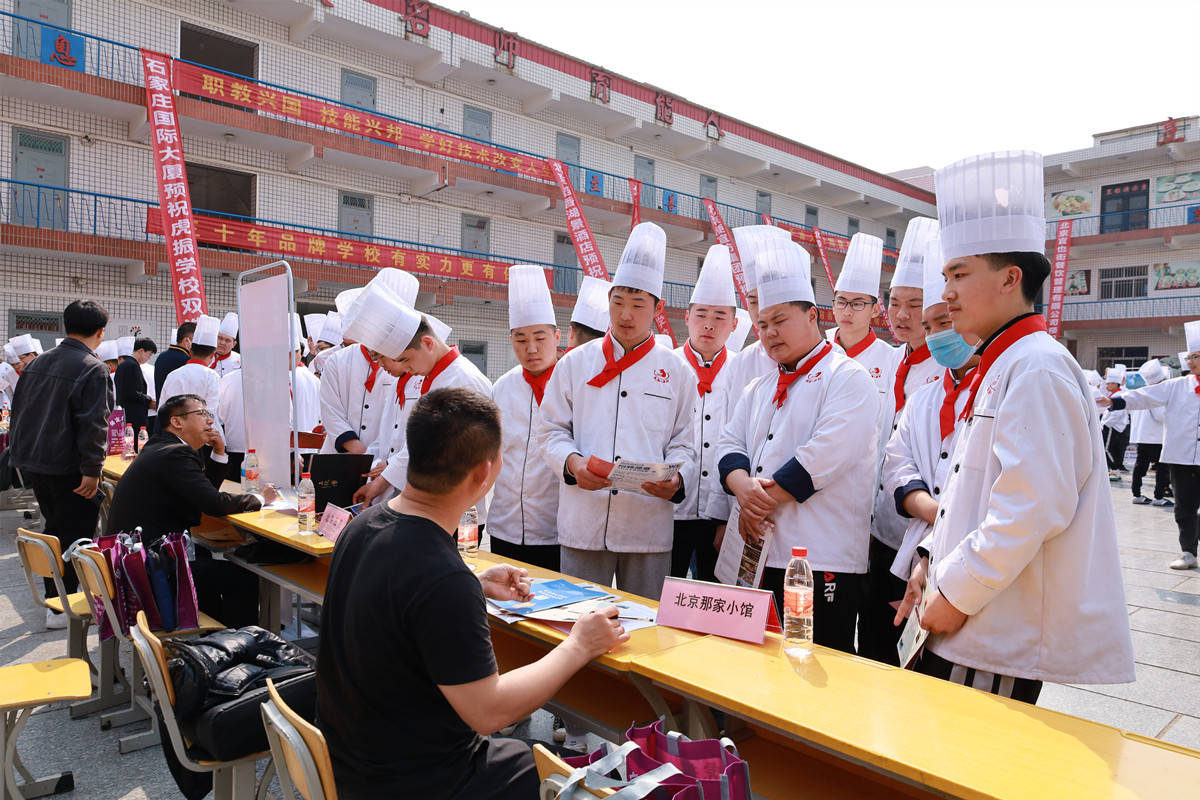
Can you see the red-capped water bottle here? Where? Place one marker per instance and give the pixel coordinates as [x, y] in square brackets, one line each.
[798, 608]
[306, 504]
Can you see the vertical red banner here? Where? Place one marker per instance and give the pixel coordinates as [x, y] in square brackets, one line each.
[1058, 276]
[174, 199]
[635, 193]
[723, 236]
[820, 240]
[767, 219]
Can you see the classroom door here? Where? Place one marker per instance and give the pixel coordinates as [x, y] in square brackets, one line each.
[40, 164]
[27, 33]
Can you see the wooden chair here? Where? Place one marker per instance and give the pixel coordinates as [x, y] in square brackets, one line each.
[24, 687]
[299, 751]
[232, 780]
[553, 773]
[97, 580]
[306, 440]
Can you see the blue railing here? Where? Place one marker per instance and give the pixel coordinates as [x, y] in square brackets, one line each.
[1147, 308]
[121, 62]
[1117, 222]
[78, 211]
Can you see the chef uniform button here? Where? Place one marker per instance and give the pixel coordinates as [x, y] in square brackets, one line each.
[758, 469]
[704, 474]
[707, 417]
[770, 436]
[942, 513]
[936, 490]
[363, 428]
[945, 454]
[366, 405]
[881, 487]
[614, 491]
[624, 393]
[706, 444]
[956, 467]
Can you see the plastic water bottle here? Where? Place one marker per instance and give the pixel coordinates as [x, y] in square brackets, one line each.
[468, 533]
[306, 504]
[143, 437]
[250, 472]
[798, 608]
[128, 454]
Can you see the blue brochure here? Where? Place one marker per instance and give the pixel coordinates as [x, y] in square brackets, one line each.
[550, 594]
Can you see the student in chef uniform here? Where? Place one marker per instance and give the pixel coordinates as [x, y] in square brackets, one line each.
[312, 329]
[917, 463]
[24, 350]
[107, 352]
[622, 396]
[1180, 397]
[1146, 432]
[589, 318]
[8, 383]
[226, 360]
[197, 376]
[329, 341]
[753, 361]
[711, 319]
[877, 636]
[1115, 424]
[306, 391]
[522, 517]
[1023, 555]
[799, 450]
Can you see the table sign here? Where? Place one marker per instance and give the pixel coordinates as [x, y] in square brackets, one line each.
[116, 432]
[736, 612]
[333, 520]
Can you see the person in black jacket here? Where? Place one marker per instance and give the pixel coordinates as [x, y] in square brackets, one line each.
[131, 384]
[170, 360]
[166, 489]
[59, 432]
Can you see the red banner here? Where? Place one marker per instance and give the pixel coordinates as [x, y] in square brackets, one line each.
[1058, 276]
[635, 194]
[586, 251]
[174, 200]
[721, 232]
[819, 238]
[305, 244]
[767, 219]
[245, 92]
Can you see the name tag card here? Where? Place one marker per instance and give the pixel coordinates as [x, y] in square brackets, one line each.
[333, 520]
[736, 612]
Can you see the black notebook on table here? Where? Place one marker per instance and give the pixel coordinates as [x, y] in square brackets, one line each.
[337, 476]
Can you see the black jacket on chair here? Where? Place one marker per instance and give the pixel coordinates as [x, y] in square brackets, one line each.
[166, 489]
[131, 392]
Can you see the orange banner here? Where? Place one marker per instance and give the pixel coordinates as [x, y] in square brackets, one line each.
[246, 92]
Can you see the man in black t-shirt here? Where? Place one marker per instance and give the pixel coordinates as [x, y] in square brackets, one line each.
[407, 685]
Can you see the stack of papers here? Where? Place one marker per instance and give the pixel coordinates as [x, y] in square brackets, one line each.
[561, 603]
[549, 594]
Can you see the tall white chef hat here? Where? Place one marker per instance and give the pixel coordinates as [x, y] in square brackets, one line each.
[784, 275]
[37, 346]
[750, 241]
[229, 324]
[206, 331]
[910, 270]
[992, 203]
[1093, 378]
[346, 299]
[1153, 372]
[402, 284]
[381, 321]
[591, 306]
[737, 339]
[10, 355]
[714, 286]
[860, 270]
[331, 331]
[440, 329]
[174, 335]
[529, 297]
[125, 346]
[935, 281]
[22, 344]
[297, 332]
[1191, 332]
[107, 351]
[312, 325]
[1115, 374]
[643, 259]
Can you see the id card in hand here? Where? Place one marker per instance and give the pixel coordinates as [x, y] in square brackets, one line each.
[912, 639]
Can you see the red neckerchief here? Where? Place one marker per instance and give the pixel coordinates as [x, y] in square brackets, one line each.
[614, 367]
[202, 362]
[1031, 324]
[220, 358]
[438, 368]
[911, 358]
[1197, 387]
[372, 366]
[867, 341]
[537, 382]
[705, 374]
[401, 382]
[946, 415]
[786, 379]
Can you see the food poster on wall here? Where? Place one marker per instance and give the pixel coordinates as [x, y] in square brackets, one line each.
[1079, 283]
[1177, 188]
[1177, 275]
[1073, 202]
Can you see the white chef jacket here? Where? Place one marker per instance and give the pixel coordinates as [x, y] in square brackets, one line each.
[1113, 418]
[148, 371]
[233, 412]
[524, 507]
[1025, 541]
[918, 458]
[1146, 427]
[346, 405]
[395, 419]
[820, 447]
[306, 395]
[643, 414]
[706, 498]
[1181, 420]
[231, 363]
[200, 380]
[752, 362]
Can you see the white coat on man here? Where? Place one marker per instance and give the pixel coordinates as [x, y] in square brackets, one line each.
[1180, 403]
[348, 409]
[524, 507]
[195, 378]
[706, 498]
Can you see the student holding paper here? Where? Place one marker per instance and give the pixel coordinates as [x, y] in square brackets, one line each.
[799, 450]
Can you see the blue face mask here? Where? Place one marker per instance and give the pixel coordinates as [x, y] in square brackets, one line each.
[949, 348]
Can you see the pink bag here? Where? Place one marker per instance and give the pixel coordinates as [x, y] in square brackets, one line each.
[715, 764]
[187, 608]
[634, 774]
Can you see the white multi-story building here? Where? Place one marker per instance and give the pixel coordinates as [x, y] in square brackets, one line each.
[355, 120]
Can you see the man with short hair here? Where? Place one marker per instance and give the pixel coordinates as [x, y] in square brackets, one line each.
[197, 376]
[131, 387]
[24, 349]
[226, 359]
[405, 635]
[59, 432]
[174, 356]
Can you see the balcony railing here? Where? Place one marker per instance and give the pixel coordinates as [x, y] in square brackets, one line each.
[22, 37]
[1151, 309]
[1121, 221]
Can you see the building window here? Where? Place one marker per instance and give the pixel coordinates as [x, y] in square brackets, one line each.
[566, 150]
[358, 89]
[643, 170]
[220, 192]
[810, 216]
[851, 226]
[476, 353]
[219, 51]
[1123, 207]
[762, 202]
[566, 274]
[1118, 283]
[699, 266]
[476, 234]
[889, 238]
[708, 187]
[40, 163]
[1109, 356]
[477, 123]
[356, 214]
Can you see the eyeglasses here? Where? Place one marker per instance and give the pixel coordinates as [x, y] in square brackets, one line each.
[205, 414]
[841, 304]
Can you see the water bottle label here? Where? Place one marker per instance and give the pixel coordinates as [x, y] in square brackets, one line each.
[798, 600]
[252, 474]
[307, 505]
[468, 537]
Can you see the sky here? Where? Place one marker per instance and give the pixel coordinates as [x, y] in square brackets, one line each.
[892, 85]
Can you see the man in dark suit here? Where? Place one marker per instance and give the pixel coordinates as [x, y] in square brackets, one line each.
[170, 360]
[131, 384]
[166, 489]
